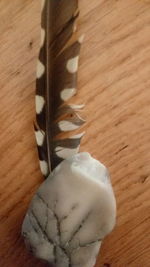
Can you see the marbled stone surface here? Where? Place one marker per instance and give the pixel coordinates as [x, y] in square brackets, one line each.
[73, 210]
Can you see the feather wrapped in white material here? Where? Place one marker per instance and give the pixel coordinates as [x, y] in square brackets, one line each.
[73, 210]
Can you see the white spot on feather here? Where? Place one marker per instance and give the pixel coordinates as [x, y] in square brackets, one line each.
[39, 137]
[64, 153]
[42, 4]
[66, 94]
[75, 27]
[39, 101]
[72, 64]
[67, 126]
[42, 37]
[44, 167]
[77, 107]
[40, 69]
[77, 136]
[81, 39]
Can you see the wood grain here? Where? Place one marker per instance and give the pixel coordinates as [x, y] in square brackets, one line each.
[114, 83]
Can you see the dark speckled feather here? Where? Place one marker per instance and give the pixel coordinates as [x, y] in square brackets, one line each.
[57, 83]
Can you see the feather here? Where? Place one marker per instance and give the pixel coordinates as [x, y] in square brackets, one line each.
[56, 83]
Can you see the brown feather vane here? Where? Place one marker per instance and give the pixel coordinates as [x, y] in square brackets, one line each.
[56, 84]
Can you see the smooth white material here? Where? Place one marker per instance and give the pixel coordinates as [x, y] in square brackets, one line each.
[73, 210]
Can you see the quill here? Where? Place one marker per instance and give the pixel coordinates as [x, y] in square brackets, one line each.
[74, 208]
[57, 83]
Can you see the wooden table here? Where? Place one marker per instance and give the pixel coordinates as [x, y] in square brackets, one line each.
[114, 83]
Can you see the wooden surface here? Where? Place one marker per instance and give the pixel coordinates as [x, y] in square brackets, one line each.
[114, 83]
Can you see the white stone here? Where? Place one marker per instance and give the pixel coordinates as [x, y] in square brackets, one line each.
[73, 210]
